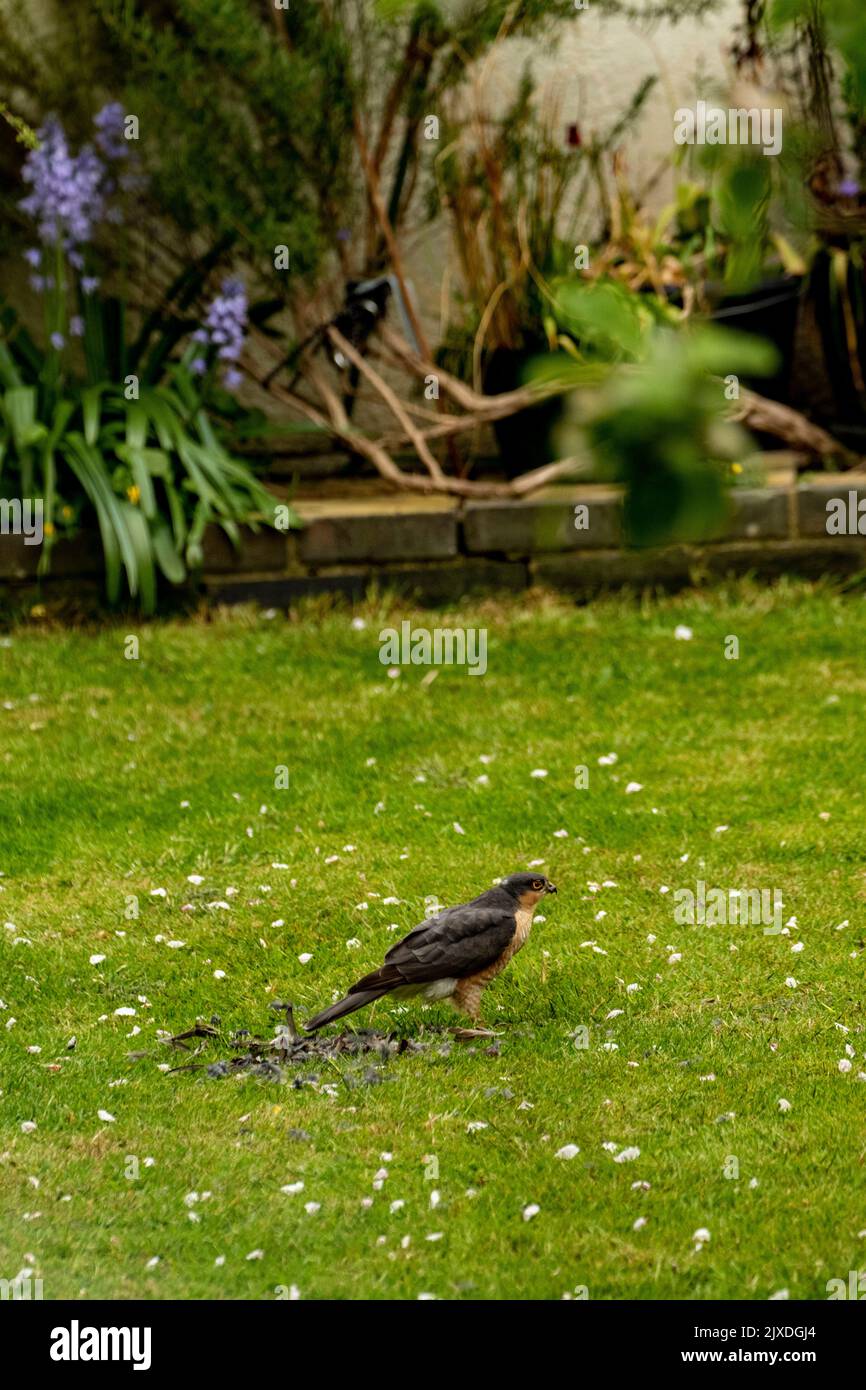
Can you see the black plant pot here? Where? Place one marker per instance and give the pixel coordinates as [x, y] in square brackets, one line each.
[844, 412]
[768, 311]
[524, 439]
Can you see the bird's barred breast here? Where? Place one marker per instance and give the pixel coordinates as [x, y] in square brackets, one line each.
[468, 991]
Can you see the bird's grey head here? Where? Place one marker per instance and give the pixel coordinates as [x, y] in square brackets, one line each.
[527, 888]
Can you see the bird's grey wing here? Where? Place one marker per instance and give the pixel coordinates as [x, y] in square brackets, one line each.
[459, 942]
[416, 931]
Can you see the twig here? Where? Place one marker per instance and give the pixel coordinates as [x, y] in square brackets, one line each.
[375, 195]
[391, 400]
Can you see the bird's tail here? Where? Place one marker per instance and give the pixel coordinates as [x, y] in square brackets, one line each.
[356, 999]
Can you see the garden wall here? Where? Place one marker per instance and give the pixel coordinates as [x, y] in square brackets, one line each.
[438, 549]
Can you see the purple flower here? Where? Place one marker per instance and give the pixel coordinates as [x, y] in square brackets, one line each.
[232, 379]
[33, 256]
[225, 327]
[849, 188]
[58, 341]
[76, 326]
[198, 366]
[66, 199]
[110, 133]
[89, 284]
[70, 195]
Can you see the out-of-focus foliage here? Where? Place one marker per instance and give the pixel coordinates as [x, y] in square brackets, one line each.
[656, 423]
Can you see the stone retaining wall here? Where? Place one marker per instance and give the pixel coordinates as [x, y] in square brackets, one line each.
[439, 549]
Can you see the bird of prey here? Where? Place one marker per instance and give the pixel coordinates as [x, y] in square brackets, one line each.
[453, 955]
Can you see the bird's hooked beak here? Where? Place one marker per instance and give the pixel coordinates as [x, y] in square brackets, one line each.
[551, 888]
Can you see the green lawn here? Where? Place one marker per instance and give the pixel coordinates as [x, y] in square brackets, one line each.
[100, 755]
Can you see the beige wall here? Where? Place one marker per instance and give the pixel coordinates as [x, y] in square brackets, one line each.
[590, 78]
[601, 62]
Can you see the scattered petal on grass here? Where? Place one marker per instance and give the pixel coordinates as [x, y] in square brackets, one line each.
[567, 1151]
[532, 1210]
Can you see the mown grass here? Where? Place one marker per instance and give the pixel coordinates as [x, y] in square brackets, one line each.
[99, 753]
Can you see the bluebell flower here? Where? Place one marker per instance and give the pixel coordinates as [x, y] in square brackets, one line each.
[66, 198]
[225, 328]
[110, 133]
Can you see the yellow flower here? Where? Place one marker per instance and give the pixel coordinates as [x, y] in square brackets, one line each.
[38, 610]
[133, 493]
[66, 513]
[736, 468]
[49, 528]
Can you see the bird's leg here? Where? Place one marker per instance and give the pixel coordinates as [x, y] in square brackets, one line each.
[468, 1002]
